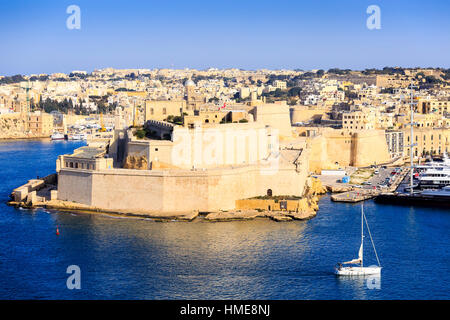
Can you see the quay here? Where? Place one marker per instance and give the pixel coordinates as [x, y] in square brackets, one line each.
[358, 194]
[414, 199]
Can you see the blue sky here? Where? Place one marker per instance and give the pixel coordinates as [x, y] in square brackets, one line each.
[245, 34]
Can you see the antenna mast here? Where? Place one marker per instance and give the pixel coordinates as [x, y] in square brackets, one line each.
[412, 145]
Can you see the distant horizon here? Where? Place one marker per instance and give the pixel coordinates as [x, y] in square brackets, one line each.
[220, 69]
[37, 37]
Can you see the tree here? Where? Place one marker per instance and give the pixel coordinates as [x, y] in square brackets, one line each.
[294, 92]
[13, 79]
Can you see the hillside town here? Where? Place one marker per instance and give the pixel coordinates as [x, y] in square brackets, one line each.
[267, 133]
[327, 103]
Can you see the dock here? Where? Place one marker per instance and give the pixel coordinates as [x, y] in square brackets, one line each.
[414, 199]
[359, 194]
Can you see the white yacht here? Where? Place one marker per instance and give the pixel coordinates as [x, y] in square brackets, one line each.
[443, 193]
[435, 177]
[57, 136]
[445, 163]
[358, 268]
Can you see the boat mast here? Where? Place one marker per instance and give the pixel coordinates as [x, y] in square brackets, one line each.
[411, 146]
[362, 233]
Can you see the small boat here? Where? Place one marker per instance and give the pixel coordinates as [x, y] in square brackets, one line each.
[358, 269]
[75, 137]
[57, 136]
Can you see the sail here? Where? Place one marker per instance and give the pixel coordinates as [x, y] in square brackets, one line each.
[356, 261]
[360, 253]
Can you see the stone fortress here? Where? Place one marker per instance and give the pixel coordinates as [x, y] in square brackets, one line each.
[194, 156]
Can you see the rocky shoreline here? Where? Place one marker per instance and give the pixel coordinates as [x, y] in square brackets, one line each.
[220, 216]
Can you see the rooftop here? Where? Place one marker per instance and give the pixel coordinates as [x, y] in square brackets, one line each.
[88, 152]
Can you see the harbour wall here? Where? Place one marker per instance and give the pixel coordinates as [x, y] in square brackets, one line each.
[177, 190]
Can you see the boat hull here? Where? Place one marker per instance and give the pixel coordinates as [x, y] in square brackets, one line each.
[416, 199]
[57, 137]
[358, 271]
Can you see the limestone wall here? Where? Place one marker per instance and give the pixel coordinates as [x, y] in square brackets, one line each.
[370, 147]
[12, 126]
[175, 190]
[76, 186]
[275, 115]
[267, 204]
[333, 149]
[304, 113]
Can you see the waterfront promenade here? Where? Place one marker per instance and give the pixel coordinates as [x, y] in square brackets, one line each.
[357, 194]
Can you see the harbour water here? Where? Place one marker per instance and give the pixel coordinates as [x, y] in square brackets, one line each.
[123, 258]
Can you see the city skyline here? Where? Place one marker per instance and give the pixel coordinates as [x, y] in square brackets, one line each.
[199, 35]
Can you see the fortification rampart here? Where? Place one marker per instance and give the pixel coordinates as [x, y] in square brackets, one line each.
[177, 190]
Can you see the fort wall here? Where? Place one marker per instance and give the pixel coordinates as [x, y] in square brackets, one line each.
[338, 148]
[176, 190]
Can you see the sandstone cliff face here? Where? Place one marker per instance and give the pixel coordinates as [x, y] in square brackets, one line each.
[136, 162]
[12, 126]
[314, 187]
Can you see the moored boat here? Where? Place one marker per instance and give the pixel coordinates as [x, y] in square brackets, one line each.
[57, 136]
[358, 269]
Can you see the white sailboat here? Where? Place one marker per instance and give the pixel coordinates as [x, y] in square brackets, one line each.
[359, 269]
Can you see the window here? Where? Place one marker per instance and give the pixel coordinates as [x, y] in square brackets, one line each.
[164, 110]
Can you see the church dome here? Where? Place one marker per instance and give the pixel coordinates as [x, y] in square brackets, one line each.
[189, 83]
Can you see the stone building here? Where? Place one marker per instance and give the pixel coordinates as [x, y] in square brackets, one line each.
[359, 120]
[430, 141]
[40, 123]
[162, 109]
[441, 107]
[395, 142]
[179, 169]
